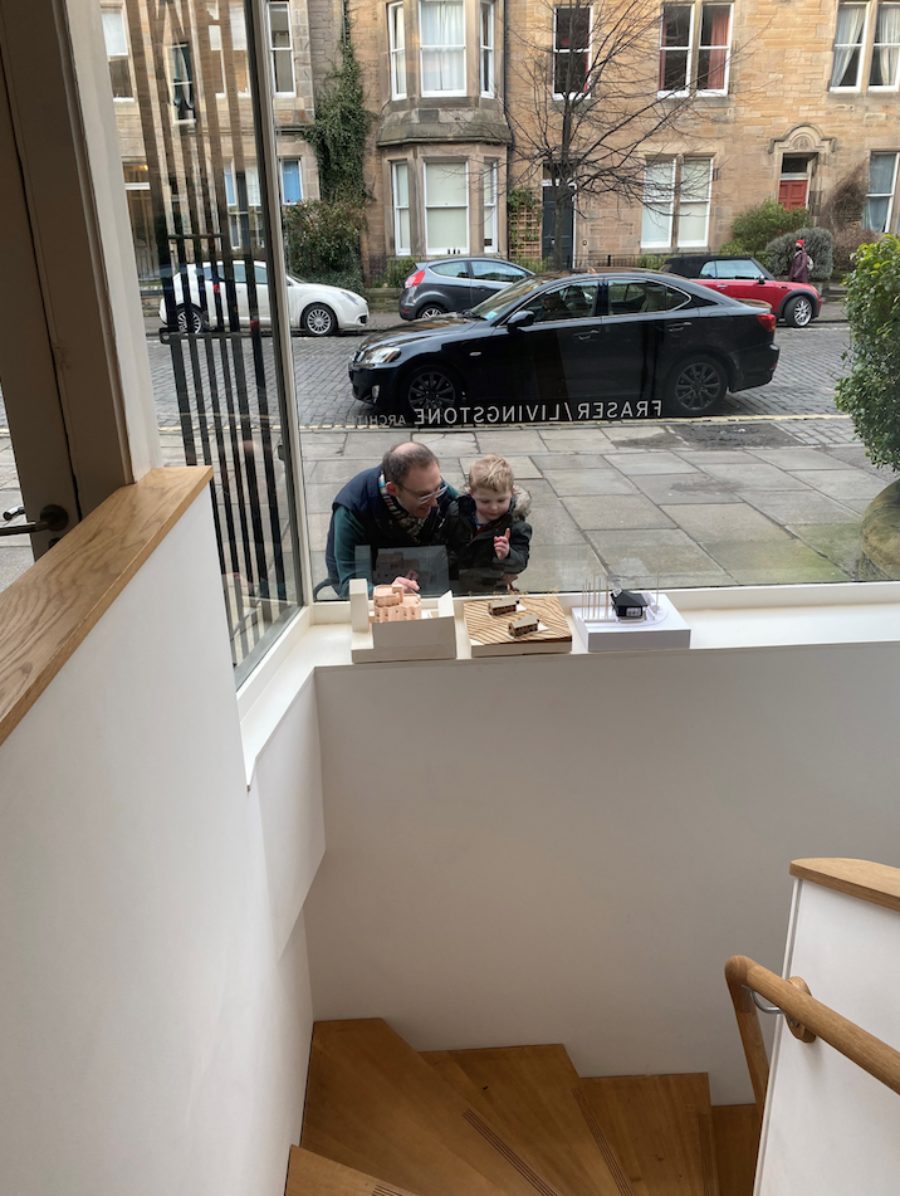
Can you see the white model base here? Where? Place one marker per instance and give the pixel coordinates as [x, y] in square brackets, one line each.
[661, 627]
[431, 637]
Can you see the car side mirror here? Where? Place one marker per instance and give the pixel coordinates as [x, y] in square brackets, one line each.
[762, 281]
[520, 319]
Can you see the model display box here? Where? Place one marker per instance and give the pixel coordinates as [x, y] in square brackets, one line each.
[425, 633]
[489, 634]
[601, 630]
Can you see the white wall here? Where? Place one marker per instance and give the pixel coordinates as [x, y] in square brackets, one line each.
[569, 848]
[155, 1005]
[848, 952]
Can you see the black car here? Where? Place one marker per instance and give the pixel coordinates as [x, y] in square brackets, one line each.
[588, 346]
[455, 284]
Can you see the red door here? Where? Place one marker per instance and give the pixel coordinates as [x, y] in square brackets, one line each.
[792, 193]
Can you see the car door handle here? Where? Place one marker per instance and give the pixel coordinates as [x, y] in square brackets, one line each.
[587, 336]
[681, 326]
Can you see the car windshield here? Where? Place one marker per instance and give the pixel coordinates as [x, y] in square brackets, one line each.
[507, 299]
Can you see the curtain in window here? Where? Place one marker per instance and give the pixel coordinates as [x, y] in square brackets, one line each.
[887, 49]
[401, 208]
[656, 221]
[882, 171]
[447, 214]
[714, 47]
[114, 33]
[847, 41]
[443, 46]
[693, 205]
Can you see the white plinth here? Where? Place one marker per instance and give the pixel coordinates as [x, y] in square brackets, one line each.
[431, 637]
[662, 628]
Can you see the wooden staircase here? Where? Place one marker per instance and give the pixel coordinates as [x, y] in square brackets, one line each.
[384, 1120]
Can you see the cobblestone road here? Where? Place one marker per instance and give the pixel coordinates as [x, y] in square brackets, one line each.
[803, 384]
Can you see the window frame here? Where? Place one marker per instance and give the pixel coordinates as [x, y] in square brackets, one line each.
[216, 47]
[491, 177]
[891, 195]
[189, 82]
[487, 17]
[461, 49]
[119, 10]
[715, 91]
[396, 53]
[688, 50]
[707, 202]
[588, 49]
[667, 244]
[427, 207]
[400, 250]
[288, 49]
[883, 87]
[282, 162]
[857, 87]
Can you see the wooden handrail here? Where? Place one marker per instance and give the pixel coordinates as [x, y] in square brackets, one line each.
[862, 879]
[807, 1019]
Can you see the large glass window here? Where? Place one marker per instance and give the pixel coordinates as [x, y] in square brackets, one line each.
[397, 50]
[885, 70]
[442, 38]
[848, 41]
[400, 187]
[882, 187]
[658, 210]
[229, 54]
[282, 49]
[693, 202]
[713, 55]
[291, 180]
[676, 214]
[117, 53]
[446, 207]
[182, 75]
[486, 62]
[571, 50]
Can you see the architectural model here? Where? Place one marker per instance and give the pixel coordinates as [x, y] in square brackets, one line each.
[523, 624]
[391, 604]
[624, 620]
[504, 606]
[396, 625]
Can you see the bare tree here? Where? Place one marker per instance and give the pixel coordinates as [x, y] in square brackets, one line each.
[600, 93]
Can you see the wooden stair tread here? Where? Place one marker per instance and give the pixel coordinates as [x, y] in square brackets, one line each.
[661, 1129]
[529, 1093]
[310, 1174]
[736, 1132]
[375, 1105]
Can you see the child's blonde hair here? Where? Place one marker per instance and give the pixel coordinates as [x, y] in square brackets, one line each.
[491, 473]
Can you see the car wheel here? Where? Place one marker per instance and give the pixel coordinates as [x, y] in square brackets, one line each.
[319, 320]
[695, 385]
[430, 310]
[189, 319]
[798, 312]
[431, 390]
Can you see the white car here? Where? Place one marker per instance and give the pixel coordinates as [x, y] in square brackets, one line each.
[315, 309]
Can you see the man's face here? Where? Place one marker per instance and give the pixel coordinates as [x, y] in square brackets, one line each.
[419, 490]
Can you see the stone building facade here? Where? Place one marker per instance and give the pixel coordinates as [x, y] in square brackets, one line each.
[789, 99]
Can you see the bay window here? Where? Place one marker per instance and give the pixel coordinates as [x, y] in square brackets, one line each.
[400, 189]
[571, 50]
[397, 50]
[442, 40]
[446, 207]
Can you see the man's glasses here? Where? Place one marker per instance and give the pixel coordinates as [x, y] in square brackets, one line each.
[424, 499]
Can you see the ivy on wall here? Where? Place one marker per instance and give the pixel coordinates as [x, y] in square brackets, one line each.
[338, 133]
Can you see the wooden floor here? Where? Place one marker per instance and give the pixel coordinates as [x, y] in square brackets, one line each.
[384, 1120]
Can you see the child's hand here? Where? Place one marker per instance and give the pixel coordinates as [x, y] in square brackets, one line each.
[409, 585]
[501, 545]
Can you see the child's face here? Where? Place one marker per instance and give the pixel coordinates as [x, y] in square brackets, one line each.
[490, 504]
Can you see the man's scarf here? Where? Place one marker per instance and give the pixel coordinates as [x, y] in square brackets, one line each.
[409, 523]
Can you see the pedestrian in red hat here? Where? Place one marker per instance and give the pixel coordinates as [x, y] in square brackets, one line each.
[801, 263]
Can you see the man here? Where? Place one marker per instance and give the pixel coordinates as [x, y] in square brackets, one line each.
[399, 504]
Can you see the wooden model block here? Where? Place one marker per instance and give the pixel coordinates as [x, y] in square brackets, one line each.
[387, 595]
[523, 625]
[503, 606]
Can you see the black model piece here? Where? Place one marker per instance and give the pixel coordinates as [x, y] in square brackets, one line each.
[629, 604]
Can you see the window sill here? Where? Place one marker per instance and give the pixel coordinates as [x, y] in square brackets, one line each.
[747, 618]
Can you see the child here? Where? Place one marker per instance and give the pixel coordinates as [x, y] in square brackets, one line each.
[488, 539]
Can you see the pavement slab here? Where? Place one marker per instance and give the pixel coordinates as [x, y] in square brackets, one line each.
[559, 567]
[857, 485]
[610, 512]
[789, 562]
[522, 467]
[666, 553]
[658, 461]
[694, 487]
[755, 477]
[799, 458]
[840, 543]
[572, 482]
[717, 523]
[800, 506]
[509, 442]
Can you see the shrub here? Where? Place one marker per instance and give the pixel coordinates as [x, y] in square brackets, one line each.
[819, 246]
[870, 393]
[397, 270]
[846, 243]
[844, 207]
[754, 229]
[651, 261]
[338, 132]
[537, 265]
[322, 242]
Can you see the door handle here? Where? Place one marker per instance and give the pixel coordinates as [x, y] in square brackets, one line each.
[51, 519]
[679, 327]
[587, 336]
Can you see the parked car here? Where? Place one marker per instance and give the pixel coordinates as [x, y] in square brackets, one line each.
[315, 309]
[796, 303]
[571, 347]
[455, 284]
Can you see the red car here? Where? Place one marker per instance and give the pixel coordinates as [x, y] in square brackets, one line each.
[795, 303]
